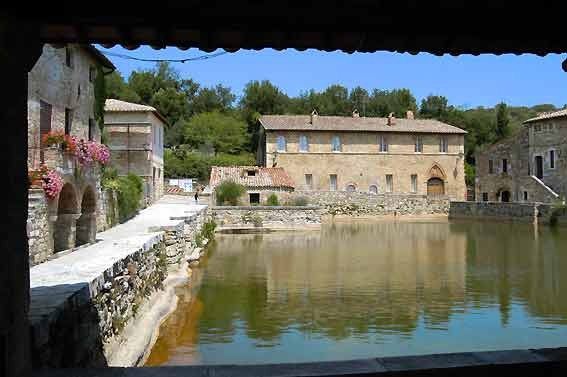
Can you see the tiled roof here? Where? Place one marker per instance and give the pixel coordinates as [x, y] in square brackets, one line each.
[117, 105]
[550, 115]
[338, 123]
[264, 178]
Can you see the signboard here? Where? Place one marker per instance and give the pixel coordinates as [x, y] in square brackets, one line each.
[186, 184]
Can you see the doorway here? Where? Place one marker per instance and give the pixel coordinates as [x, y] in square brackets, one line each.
[539, 167]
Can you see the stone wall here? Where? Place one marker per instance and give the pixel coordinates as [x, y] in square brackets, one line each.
[80, 324]
[39, 234]
[519, 212]
[364, 204]
[250, 216]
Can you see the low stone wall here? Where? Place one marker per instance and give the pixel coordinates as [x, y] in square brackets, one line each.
[82, 302]
[266, 216]
[519, 212]
[365, 204]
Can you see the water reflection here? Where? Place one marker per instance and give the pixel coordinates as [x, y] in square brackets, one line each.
[366, 289]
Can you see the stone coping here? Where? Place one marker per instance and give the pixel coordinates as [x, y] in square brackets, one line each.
[80, 274]
[535, 362]
[265, 208]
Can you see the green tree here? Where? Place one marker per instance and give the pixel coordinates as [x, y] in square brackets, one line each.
[117, 88]
[218, 98]
[358, 99]
[502, 121]
[435, 107]
[225, 133]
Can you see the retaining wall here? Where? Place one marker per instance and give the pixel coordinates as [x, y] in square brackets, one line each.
[267, 216]
[518, 212]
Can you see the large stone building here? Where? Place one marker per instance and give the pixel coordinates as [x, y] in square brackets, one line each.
[529, 166]
[61, 101]
[259, 182]
[374, 155]
[135, 138]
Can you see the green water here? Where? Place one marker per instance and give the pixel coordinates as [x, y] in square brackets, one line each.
[359, 290]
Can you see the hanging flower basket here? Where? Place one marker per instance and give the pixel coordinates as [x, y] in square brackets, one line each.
[47, 179]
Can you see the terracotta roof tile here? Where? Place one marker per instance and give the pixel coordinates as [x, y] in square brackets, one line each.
[550, 115]
[370, 124]
[115, 105]
[263, 178]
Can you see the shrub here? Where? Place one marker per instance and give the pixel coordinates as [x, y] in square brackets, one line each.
[129, 190]
[229, 192]
[208, 230]
[273, 200]
[299, 201]
[253, 218]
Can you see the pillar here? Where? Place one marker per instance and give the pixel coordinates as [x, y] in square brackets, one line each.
[19, 50]
[65, 231]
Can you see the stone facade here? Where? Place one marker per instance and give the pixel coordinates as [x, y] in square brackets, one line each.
[361, 166]
[61, 98]
[135, 134]
[265, 216]
[39, 232]
[536, 164]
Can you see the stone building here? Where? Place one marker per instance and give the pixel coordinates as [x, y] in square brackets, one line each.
[61, 99]
[259, 182]
[529, 166]
[135, 138]
[372, 155]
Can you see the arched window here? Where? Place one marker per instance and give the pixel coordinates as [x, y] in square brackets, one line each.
[351, 188]
[281, 144]
[373, 189]
[303, 143]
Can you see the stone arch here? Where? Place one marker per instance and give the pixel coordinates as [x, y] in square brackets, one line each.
[351, 187]
[64, 227]
[373, 189]
[504, 195]
[436, 172]
[86, 223]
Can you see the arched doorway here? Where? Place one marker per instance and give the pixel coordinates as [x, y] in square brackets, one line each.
[505, 196]
[64, 226]
[86, 224]
[373, 189]
[351, 187]
[435, 187]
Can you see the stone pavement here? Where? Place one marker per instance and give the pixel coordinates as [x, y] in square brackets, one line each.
[54, 282]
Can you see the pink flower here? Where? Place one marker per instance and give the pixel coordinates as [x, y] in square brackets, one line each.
[52, 184]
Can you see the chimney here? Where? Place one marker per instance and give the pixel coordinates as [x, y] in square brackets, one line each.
[355, 113]
[313, 116]
[391, 119]
[409, 115]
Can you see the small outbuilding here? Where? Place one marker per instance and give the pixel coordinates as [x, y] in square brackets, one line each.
[259, 182]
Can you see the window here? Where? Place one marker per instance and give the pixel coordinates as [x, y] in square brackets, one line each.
[552, 159]
[383, 144]
[281, 144]
[336, 144]
[333, 179]
[351, 188]
[303, 144]
[525, 196]
[254, 198]
[418, 145]
[490, 167]
[389, 183]
[485, 197]
[68, 57]
[537, 127]
[309, 181]
[92, 129]
[414, 183]
[443, 144]
[504, 165]
[251, 173]
[92, 73]
[373, 189]
[68, 121]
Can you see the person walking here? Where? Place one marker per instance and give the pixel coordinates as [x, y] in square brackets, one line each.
[197, 194]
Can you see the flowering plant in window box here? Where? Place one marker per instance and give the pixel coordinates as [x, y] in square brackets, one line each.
[53, 138]
[47, 179]
[35, 176]
[91, 151]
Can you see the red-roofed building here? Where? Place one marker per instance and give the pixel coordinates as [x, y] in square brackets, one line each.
[259, 182]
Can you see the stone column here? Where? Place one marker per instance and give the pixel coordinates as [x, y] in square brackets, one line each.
[19, 50]
[86, 229]
[65, 231]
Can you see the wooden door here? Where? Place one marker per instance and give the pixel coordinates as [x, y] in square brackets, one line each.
[435, 187]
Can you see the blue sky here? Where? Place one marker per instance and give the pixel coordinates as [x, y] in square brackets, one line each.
[467, 80]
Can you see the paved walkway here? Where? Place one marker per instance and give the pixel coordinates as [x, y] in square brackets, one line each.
[55, 281]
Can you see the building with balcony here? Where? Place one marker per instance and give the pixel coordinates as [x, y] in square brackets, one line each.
[62, 101]
[529, 166]
[135, 139]
[372, 155]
